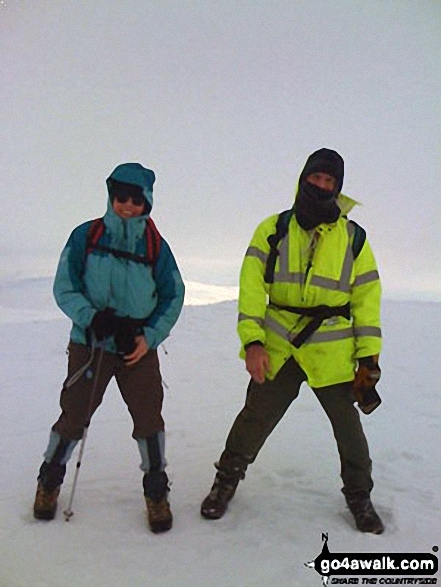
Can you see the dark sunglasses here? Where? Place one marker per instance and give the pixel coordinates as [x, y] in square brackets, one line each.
[137, 199]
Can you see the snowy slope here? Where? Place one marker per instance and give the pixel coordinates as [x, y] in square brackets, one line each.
[291, 494]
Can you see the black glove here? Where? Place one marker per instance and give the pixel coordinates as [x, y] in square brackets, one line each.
[363, 387]
[125, 332]
[104, 323]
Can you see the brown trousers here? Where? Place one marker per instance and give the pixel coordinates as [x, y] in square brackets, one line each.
[266, 404]
[140, 386]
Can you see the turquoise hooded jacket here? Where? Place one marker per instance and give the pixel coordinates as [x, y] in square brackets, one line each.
[86, 283]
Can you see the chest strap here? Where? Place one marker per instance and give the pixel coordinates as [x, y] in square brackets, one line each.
[123, 254]
[318, 314]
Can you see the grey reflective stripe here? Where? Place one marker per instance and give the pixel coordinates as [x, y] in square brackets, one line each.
[288, 278]
[329, 336]
[367, 331]
[325, 282]
[351, 230]
[273, 325]
[255, 252]
[366, 278]
[345, 277]
[284, 275]
[342, 284]
[256, 319]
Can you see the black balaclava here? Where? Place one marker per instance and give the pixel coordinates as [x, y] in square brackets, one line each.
[314, 205]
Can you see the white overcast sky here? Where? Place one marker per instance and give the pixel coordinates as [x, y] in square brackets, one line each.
[224, 99]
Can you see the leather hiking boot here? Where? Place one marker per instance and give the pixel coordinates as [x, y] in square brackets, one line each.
[215, 504]
[159, 515]
[49, 479]
[45, 505]
[366, 518]
[156, 489]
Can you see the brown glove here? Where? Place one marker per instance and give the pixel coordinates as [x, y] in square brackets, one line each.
[363, 386]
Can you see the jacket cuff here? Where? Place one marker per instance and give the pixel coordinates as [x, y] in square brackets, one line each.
[254, 342]
[370, 362]
[151, 337]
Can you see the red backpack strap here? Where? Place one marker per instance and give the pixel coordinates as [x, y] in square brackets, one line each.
[95, 232]
[152, 236]
[153, 241]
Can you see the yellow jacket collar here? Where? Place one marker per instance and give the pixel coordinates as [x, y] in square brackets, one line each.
[345, 203]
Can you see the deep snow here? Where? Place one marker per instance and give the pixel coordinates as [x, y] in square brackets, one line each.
[291, 494]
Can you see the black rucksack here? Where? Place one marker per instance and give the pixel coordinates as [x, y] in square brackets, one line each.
[282, 225]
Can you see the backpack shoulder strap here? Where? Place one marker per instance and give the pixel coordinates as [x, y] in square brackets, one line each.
[153, 241]
[273, 241]
[95, 232]
[359, 238]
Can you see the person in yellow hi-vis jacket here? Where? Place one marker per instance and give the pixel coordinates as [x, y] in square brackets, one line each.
[309, 311]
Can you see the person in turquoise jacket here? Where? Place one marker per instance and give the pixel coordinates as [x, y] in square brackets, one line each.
[118, 282]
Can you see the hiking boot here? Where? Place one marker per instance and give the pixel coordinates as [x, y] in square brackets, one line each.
[366, 518]
[50, 478]
[215, 504]
[45, 505]
[156, 489]
[159, 515]
[230, 470]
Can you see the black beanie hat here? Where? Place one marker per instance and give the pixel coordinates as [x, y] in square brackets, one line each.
[325, 161]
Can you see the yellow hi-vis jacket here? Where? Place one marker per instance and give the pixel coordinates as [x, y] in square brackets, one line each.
[313, 268]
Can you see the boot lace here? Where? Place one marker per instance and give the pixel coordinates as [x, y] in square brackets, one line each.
[158, 510]
[46, 500]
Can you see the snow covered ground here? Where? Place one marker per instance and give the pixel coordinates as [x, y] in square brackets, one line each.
[290, 497]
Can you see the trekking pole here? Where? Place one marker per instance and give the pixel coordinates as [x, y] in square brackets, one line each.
[68, 513]
[165, 353]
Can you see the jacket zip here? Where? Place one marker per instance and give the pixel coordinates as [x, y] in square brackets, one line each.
[311, 247]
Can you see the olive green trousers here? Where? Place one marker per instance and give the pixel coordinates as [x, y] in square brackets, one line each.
[266, 404]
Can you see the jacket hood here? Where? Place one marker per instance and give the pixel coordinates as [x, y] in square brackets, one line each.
[135, 174]
[325, 161]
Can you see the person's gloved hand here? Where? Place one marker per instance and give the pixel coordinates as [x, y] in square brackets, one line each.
[104, 323]
[368, 372]
[126, 330]
[363, 386]
[141, 349]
